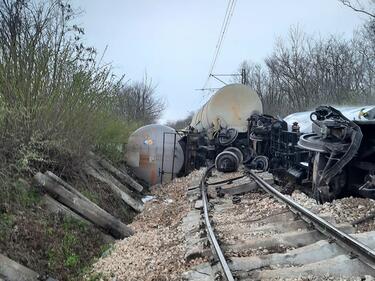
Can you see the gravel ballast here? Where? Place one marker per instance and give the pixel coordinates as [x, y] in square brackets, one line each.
[156, 251]
[344, 210]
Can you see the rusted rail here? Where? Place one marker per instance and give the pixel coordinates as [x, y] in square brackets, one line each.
[210, 233]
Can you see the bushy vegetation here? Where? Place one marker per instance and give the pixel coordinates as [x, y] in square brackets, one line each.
[58, 101]
[305, 71]
[55, 246]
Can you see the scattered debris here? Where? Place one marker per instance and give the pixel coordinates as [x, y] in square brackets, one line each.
[147, 198]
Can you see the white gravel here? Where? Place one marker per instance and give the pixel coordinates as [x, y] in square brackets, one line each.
[345, 210]
[232, 221]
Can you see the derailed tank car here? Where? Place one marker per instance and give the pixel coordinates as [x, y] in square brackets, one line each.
[334, 155]
[154, 153]
[330, 151]
[218, 131]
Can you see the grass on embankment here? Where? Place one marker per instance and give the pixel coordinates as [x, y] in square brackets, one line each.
[57, 103]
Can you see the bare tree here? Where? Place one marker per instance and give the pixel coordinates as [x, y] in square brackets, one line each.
[181, 123]
[303, 72]
[139, 102]
[359, 7]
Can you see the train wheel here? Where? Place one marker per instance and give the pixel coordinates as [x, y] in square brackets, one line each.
[236, 151]
[323, 191]
[227, 161]
[260, 163]
[228, 137]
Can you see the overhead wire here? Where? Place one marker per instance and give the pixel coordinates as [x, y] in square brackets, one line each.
[224, 27]
[224, 31]
[220, 39]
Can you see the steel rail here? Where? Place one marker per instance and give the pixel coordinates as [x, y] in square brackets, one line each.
[356, 248]
[210, 232]
[226, 181]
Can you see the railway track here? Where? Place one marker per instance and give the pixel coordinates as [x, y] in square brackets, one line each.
[243, 228]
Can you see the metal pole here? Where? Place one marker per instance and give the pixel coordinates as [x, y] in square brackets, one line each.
[174, 151]
[243, 76]
[162, 160]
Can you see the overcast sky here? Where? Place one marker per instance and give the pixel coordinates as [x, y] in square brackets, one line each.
[174, 40]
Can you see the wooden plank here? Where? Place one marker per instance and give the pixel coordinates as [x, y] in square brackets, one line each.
[84, 208]
[120, 175]
[243, 185]
[71, 189]
[13, 271]
[56, 207]
[66, 185]
[238, 188]
[119, 189]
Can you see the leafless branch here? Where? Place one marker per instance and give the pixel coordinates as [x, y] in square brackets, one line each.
[357, 8]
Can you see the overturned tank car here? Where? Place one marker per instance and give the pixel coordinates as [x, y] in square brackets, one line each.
[218, 133]
[219, 130]
[154, 154]
[342, 151]
[334, 156]
[329, 151]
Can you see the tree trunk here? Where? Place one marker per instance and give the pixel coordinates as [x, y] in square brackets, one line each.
[84, 208]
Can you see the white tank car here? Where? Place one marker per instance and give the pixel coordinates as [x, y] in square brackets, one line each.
[149, 159]
[303, 118]
[229, 107]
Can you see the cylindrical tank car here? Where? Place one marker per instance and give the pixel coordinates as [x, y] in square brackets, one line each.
[154, 153]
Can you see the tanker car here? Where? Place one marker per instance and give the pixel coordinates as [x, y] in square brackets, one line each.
[157, 153]
[330, 151]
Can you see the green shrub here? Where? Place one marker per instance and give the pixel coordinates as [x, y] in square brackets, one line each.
[72, 260]
[60, 103]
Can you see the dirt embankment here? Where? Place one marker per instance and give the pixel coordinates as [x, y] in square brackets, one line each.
[54, 245]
